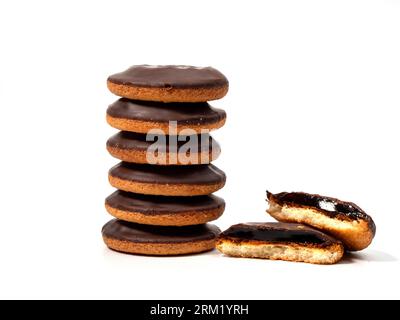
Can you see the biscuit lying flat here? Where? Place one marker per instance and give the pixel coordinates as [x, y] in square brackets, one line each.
[143, 116]
[343, 220]
[164, 211]
[169, 83]
[192, 180]
[280, 241]
[150, 240]
[134, 147]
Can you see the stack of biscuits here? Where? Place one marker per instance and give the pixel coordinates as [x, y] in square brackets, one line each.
[165, 181]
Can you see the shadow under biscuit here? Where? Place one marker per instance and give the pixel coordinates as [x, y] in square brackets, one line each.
[369, 256]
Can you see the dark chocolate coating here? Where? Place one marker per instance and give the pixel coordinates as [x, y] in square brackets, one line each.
[275, 232]
[137, 141]
[151, 111]
[331, 207]
[156, 205]
[182, 77]
[202, 174]
[133, 232]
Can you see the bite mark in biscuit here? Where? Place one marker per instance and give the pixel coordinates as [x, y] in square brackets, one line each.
[343, 220]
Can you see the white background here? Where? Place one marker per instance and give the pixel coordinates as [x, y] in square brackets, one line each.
[313, 106]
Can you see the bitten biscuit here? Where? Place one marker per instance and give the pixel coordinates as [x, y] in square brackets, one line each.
[169, 83]
[135, 238]
[192, 180]
[280, 241]
[143, 116]
[141, 148]
[164, 211]
[344, 220]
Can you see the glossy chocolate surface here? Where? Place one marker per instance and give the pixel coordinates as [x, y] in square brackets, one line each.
[154, 205]
[202, 174]
[170, 76]
[329, 206]
[275, 232]
[133, 232]
[181, 112]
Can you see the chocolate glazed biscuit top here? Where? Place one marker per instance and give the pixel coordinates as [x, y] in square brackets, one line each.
[154, 205]
[276, 232]
[132, 232]
[331, 207]
[202, 174]
[138, 141]
[181, 112]
[169, 76]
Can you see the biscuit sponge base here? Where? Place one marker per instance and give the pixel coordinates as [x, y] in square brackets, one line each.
[287, 252]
